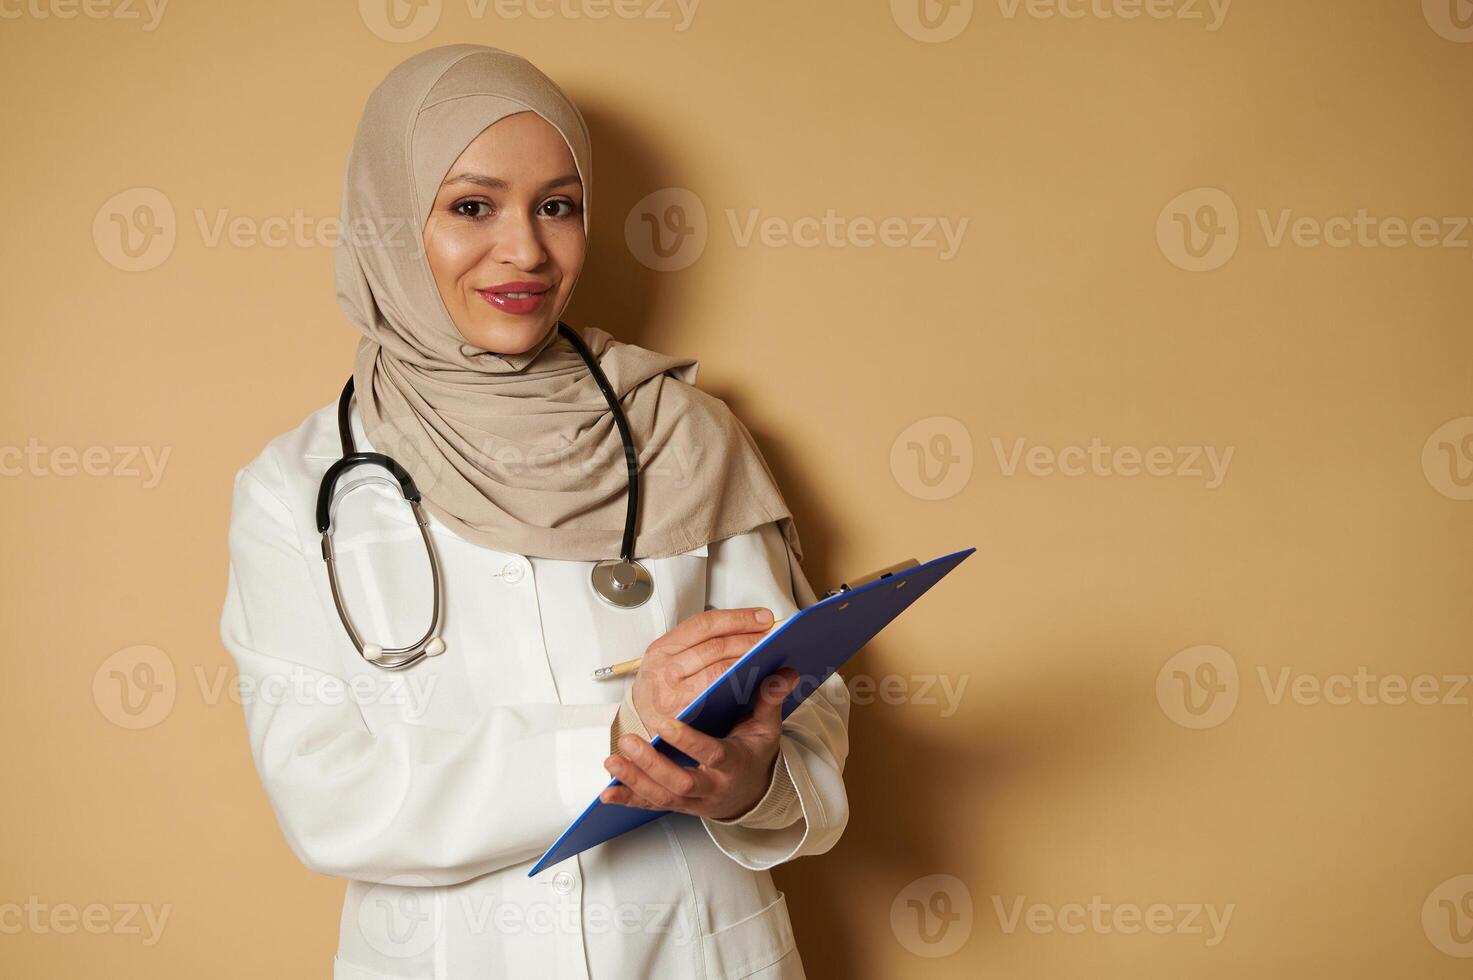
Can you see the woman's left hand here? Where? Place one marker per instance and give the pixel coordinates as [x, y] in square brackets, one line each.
[732, 774]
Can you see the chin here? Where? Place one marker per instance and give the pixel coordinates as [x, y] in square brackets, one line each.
[503, 338]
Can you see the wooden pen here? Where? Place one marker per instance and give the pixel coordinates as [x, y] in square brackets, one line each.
[630, 666]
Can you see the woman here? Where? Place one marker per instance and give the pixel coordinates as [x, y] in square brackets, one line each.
[431, 769]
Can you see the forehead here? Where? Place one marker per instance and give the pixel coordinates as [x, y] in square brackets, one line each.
[521, 141]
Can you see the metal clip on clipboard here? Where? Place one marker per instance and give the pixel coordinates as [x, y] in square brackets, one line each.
[885, 572]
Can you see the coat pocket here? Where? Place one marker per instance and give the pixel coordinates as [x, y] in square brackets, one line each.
[680, 585]
[752, 944]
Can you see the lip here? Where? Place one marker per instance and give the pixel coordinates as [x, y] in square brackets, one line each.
[499, 296]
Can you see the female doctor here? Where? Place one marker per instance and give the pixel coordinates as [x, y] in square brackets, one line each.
[426, 573]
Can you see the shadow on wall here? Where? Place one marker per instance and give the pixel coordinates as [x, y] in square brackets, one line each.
[616, 292]
[899, 776]
[901, 780]
[619, 294]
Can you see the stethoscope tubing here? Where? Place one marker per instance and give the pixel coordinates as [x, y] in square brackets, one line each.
[609, 578]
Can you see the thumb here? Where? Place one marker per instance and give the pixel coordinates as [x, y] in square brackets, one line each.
[769, 711]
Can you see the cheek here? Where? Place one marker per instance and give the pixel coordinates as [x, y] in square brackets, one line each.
[568, 251]
[451, 254]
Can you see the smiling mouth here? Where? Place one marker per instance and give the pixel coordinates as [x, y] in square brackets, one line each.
[523, 299]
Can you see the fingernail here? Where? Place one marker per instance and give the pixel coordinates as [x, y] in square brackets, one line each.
[764, 615]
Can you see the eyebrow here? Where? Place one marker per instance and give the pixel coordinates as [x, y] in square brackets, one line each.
[496, 183]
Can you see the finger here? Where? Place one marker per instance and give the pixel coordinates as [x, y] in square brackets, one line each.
[646, 790]
[713, 653]
[708, 751]
[653, 776]
[639, 783]
[683, 781]
[624, 796]
[768, 713]
[698, 682]
[711, 623]
[708, 653]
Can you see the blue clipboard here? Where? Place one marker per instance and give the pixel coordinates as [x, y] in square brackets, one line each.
[815, 642]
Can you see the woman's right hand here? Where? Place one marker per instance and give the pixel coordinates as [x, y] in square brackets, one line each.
[678, 666]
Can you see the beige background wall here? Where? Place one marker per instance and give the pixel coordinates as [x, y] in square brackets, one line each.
[1242, 689]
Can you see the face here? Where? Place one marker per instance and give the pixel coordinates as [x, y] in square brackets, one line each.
[505, 239]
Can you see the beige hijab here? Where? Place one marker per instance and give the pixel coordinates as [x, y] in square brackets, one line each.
[519, 452]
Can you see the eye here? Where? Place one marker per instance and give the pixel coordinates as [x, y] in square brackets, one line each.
[569, 207]
[470, 208]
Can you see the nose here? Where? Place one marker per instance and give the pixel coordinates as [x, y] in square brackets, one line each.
[519, 241]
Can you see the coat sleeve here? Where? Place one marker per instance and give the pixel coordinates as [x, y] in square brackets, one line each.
[401, 800]
[758, 569]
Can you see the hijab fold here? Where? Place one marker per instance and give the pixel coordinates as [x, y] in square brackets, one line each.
[519, 452]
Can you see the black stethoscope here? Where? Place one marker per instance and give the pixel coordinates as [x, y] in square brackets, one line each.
[621, 582]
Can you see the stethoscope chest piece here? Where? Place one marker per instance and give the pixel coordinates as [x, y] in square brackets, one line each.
[622, 583]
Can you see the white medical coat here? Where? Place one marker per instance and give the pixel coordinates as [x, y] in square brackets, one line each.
[434, 789]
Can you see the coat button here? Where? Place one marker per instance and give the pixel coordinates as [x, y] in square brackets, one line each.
[512, 571]
[563, 882]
